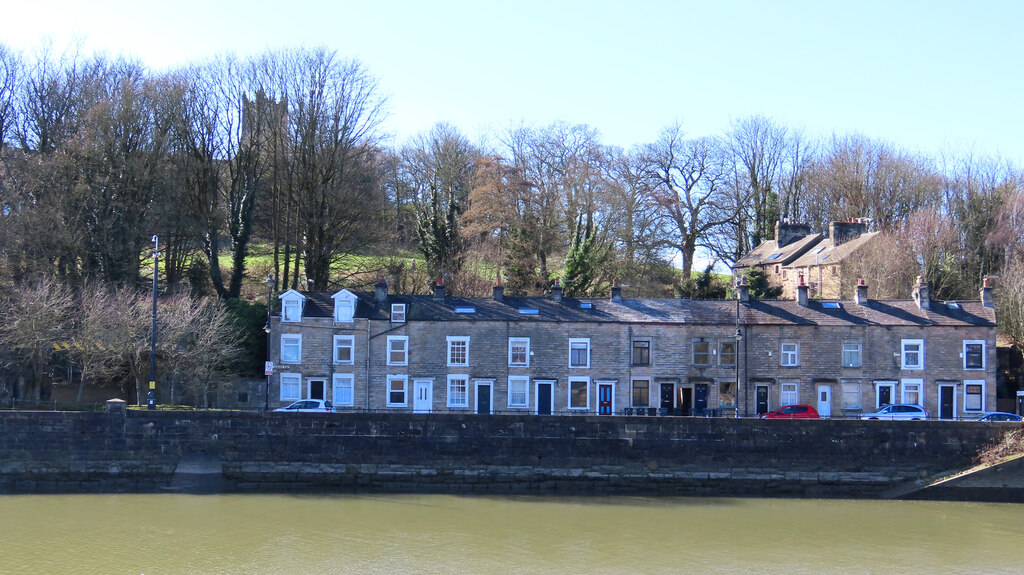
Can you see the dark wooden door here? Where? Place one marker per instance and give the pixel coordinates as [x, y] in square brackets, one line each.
[544, 392]
[762, 399]
[483, 399]
[946, 394]
[667, 396]
[700, 398]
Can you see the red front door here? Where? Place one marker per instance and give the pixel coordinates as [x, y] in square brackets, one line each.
[604, 399]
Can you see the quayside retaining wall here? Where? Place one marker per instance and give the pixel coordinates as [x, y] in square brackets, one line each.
[47, 452]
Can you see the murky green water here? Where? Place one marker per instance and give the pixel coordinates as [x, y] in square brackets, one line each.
[160, 534]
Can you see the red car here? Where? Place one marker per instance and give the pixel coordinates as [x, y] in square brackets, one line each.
[793, 412]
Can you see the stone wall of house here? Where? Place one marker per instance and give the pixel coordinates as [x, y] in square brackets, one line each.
[464, 453]
[671, 360]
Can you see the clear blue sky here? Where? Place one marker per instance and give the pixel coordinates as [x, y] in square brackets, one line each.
[926, 76]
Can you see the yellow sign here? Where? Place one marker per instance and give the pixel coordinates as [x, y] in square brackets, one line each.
[152, 385]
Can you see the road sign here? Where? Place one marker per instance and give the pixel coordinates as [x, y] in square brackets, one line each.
[268, 368]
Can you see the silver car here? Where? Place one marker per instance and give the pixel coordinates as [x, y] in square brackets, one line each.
[308, 406]
[901, 411]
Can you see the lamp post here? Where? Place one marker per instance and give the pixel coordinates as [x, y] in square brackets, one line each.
[739, 338]
[269, 368]
[151, 396]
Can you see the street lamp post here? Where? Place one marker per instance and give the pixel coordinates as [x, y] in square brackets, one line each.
[270, 283]
[151, 396]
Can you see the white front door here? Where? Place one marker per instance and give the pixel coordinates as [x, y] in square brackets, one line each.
[825, 400]
[423, 395]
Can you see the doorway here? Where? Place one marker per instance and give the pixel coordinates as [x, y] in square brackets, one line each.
[947, 402]
[700, 398]
[668, 391]
[605, 395]
[545, 397]
[483, 397]
[825, 400]
[685, 402]
[423, 396]
[761, 397]
[317, 388]
[886, 392]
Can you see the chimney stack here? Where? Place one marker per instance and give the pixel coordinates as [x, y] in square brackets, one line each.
[556, 292]
[616, 291]
[439, 289]
[862, 292]
[842, 232]
[380, 291]
[742, 290]
[801, 292]
[921, 294]
[499, 290]
[786, 232]
[986, 294]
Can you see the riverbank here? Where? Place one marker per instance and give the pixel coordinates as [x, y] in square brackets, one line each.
[55, 452]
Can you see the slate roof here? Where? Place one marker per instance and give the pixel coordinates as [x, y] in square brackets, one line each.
[833, 254]
[766, 252]
[667, 311]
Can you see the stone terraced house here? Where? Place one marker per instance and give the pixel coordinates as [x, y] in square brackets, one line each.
[554, 355]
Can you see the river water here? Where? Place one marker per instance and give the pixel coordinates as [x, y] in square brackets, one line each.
[312, 534]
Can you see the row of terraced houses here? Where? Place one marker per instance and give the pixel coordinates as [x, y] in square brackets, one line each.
[616, 355]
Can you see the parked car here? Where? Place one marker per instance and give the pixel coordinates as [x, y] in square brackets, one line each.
[1000, 416]
[792, 412]
[308, 406]
[901, 411]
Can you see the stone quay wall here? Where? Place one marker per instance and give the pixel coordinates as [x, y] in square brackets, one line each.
[140, 451]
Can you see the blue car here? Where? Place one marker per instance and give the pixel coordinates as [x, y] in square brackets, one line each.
[1000, 416]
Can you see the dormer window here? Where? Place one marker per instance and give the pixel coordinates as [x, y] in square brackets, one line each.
[398, 313]
[344, 306]
[291, 306]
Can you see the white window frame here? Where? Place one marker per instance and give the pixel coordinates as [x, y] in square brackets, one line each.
[392, 339]
[904, 364]
[984, 352]
[513, 342]
[344, 310]
[586, 385]
[397, 379]
[789, 390]
[297, 339]
[984, 389]
[451, 398]
[852, 347]
[398, 313]
[288, 382]
[525, 382]
[579, 340]
[855, 391]
[346, 382]
[454, 340]
[340, 342]
[789, 357]
[291, 309]
[914, 383]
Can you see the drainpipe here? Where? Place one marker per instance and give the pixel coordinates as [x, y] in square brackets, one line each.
[629, 370]
[367, 347]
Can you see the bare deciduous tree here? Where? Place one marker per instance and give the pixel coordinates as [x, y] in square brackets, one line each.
[688, 181]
